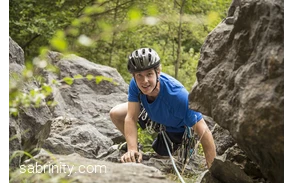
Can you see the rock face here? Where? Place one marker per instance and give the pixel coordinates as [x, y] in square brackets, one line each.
[77, 131]
[74, 168]
[240, 82]
[240, 87]
[31, 127]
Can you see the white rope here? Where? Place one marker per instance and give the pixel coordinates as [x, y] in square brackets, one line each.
[172, 159]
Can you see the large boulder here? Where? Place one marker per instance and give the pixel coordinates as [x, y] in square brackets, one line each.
[240, 82]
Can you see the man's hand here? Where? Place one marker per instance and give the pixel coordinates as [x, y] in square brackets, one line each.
[132, 156]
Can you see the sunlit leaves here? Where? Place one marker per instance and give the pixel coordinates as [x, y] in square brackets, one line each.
[152, 9]
[68, 80]
[73, 31]
[85, 19]
[91, 30]
[98, 79]
[35, 97]
[76, 22]
[78, 76]
[213, 18]
[58, 42]
[90, 10]
[89, 77]
[105, 26]
[134, 14]
[38, 96]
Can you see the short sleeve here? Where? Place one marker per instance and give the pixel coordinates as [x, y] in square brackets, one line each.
[189, 116]
[133, 93]
[192, 117]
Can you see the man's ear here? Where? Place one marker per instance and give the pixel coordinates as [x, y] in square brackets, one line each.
[158, 72]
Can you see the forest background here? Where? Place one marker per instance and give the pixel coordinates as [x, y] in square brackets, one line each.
[106, 32]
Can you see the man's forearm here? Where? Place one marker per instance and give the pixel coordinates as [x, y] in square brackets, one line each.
[131, 134]
[209, 147]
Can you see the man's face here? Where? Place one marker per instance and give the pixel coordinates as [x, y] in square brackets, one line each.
[146, 80]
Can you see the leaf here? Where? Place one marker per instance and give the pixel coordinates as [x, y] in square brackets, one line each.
[59, 44]
[58, 41]
[89, 77]
[98, 79]
[134, 14]
[32, 92]
[47, 88]
[68, 80]
[78, 76]
[13, 111]
[107, 79]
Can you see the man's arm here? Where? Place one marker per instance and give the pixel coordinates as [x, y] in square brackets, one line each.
[207, 141]
[131, 135]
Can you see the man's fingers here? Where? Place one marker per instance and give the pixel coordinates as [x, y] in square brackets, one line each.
[122, 158]
[127, 157]
[139, 157]
[131, 157]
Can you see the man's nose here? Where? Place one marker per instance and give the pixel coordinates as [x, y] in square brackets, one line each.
[145, 79]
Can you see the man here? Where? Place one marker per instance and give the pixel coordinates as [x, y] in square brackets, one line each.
[166, 102]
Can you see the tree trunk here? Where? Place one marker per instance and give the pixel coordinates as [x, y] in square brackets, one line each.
[179, 41]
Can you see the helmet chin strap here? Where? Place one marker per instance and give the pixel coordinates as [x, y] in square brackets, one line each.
[157, 80]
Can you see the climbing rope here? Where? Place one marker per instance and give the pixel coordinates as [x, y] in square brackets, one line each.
[171, 158]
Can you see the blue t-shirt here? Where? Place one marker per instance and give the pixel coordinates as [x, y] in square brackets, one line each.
[170, 107]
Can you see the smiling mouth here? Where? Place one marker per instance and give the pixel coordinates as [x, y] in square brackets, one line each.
[145, 87]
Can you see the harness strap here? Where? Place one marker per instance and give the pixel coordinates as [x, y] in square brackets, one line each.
[188, 140]
[187, 147]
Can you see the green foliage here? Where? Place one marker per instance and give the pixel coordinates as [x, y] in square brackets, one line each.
[188, 178]
[146, 139]
[58, 42]
[200, 150]
[105, 32]
[39, 94]
[32, 23]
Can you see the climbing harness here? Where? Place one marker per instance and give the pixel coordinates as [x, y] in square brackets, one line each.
[146, 123]
[189, 141]
[186, 148]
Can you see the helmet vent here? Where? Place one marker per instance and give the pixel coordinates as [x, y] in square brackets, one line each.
[133, 62]
[149, 58]
[141, 62]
